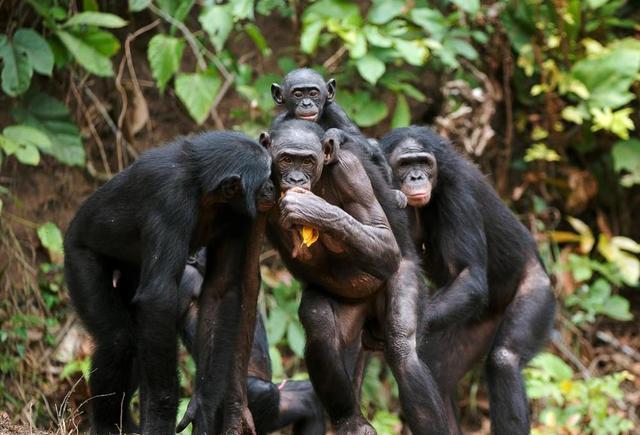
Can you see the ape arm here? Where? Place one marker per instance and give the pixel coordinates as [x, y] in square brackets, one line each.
[335, 117]
[465, 253]
[360, 225]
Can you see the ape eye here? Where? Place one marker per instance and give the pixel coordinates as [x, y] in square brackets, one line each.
[297, 94]
[286, 160]
[313, 94]
[308, 161]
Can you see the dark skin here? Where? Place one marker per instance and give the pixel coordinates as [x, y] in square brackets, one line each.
[360, 276]
[307, 96]
[493, 297]
[135, 234]
[273, 406]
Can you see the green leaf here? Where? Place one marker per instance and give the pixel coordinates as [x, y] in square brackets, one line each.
[383, 11]
[178, 9]
[217, 21]
[52, 117]
[100, 19]
[87, 56]
[17, 69]
[461, 47]
[413, 52]
[258, 38]
[277, 325]
[626, 159]
[362, 108]
[617, 308]
[242, 9]
[370, 68]
[103, 41]
[51, 238]
[554, 366]
[469, 6]
[310, 36]
[138, 5]
[197, 92]
[401, 116]
[431, 20]
[28, 154]
[164, 54]
[295, 337]
[36, 48]
[28, 135]
[608, 76]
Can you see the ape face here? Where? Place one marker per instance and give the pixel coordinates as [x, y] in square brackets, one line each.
[298, 156]
[266, 196]
[304, 94]
[417, 171]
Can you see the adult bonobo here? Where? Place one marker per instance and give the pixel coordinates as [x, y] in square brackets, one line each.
[305, 95]
[359, 276]
[126, 250]
[493, 295]
[273, 407]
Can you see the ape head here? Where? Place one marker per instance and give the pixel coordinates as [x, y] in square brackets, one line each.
[232, 169]
[304, 94]
[299, 150]
[411, 152]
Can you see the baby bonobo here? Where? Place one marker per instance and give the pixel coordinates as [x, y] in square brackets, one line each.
[307, 96]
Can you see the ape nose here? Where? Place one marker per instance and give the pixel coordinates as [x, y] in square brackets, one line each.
[416, 177]
[306, 103]
[295, 178]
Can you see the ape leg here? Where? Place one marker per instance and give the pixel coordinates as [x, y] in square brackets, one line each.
[524, 328]
[291, 403]
[334, 332]
[106, 317]
[419, 394]
[450, 353]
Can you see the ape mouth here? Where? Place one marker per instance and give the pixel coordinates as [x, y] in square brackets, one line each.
[418, 199]
[308, 116]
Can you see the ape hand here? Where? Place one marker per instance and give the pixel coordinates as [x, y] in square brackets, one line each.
[303, 207]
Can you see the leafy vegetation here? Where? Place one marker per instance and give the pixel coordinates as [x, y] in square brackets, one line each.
[542, 95]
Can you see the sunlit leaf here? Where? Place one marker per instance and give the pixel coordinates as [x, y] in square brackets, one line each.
[164, 54]
[626, 158]
[586, 235]
[217, 21]
[87, 56]
[295, 338]
[370, 68]
[401, 115]
[51, 238]
[197, 92]
[100, 19]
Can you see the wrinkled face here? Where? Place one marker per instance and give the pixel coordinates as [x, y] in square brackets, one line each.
[417, 171]
[304, 94]
[298, 157]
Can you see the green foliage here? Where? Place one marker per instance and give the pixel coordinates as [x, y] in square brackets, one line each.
[51, 238]
[571, 405]
[197, 92]
[626, 160]
[164, 55]
[27, 52]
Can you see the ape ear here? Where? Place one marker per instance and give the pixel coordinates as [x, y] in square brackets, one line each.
[330, 147]
[231, 187]
[276, 93]
[265, 140]
[331, 89]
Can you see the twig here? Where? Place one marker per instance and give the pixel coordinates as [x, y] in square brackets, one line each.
[559, 343]
[614, 342]
[335, 57]
[92, 127]
[108, 120]
[186, 32]
[122, 90]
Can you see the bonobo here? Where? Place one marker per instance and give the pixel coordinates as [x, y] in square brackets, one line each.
[305, 95]
[141, 226]
[359, 275]
[272, 406]
[493, 295]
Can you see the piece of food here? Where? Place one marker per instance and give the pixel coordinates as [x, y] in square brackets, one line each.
[309, 235]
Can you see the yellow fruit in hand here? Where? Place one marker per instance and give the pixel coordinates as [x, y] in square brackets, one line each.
[309, 235]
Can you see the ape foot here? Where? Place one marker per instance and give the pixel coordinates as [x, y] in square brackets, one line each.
[355, 425]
